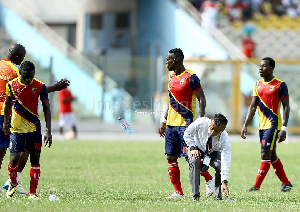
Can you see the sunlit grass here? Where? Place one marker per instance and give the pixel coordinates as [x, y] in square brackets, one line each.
[132, 176]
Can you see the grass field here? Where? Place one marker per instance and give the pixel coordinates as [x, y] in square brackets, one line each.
[132, 176]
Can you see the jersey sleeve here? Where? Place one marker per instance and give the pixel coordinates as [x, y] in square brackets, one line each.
[195, 83]
[283, 91]
[44, 94]
[8, 91]
[255, 89]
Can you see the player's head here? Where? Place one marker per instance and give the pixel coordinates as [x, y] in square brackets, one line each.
[27, 71]
[218, 124]
[174, 57]
[266, 67]
[16, 53]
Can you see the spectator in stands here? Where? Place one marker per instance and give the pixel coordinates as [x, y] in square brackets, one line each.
[247, 11]
[266, 7]
[248, 46]
[278, 8]
[209, 12]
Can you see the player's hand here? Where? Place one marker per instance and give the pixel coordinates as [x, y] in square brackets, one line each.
[195, 154]
[225, 188]
[48, 139]
[62, 84]
[6, 130]
[162, 129]
[281, 136]
[244, 132]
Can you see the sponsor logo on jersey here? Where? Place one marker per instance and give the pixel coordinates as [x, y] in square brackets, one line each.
[33, 90]
[181, 81]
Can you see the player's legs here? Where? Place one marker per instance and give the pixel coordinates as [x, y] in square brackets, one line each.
[2, 154]
[34, 146]
[35, 172]
[61, 123]
[4, 141]
[279, 171]
[72, 122]
[23, 160]
[268, 143]
[74, 130]
[21, 164]
[194, 174]
[173, 150]
[61, 130]
[215, 162]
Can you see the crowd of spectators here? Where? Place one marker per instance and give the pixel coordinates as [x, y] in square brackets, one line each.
[244, 10]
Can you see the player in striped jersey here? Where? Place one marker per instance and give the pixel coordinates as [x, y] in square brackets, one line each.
[184, 89]
[21, 106]
[9, 70]
[268, 95]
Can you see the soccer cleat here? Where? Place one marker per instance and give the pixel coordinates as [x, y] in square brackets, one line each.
[6, 184]
[287, 187]
[253, 188]
[2, 192]
[33, 197]
[175, 195]
[11, 191]
[20, 189]
[196, 198]
[210, 187]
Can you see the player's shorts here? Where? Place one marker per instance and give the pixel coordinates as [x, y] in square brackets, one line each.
[4, 141]
[174, 142]
[67, 119]
[268, 138]
[31, 141]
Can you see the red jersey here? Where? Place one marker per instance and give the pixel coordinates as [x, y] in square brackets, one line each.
[65, 107]
[269, 96]
[8, 72]
[25, 116]
[248, 47]
[182, 105]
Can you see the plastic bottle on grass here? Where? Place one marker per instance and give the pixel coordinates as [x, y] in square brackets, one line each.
[125, 125]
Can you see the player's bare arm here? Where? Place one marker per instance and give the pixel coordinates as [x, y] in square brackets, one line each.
[7, 112]
[202, 102]
[60, 85]
[286, 114]
[249, 116]
[163, 125]
[47, 113]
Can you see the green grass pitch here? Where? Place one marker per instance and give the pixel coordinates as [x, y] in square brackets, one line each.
[132, 176]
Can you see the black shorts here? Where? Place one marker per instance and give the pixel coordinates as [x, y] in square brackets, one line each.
[268, 138]
[32, 141]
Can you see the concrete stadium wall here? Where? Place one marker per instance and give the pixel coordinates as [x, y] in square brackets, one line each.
[163, 26]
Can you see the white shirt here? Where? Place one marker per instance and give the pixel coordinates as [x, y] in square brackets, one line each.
[197, 134]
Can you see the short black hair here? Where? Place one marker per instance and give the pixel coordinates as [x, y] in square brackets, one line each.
[177, 52]
[220, 119]
[17, 50]
[271, 61]
[27, 66]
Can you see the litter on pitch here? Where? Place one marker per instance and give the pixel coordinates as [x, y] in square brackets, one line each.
[52, 197]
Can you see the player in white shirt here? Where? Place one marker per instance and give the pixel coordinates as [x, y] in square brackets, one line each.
[207, 139]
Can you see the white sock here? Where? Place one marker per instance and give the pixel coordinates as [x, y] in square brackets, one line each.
[18, 175]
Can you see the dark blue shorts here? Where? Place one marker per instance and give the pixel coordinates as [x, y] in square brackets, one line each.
[31, 141]
[174, 142]
[268, 138]
[4, 141]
